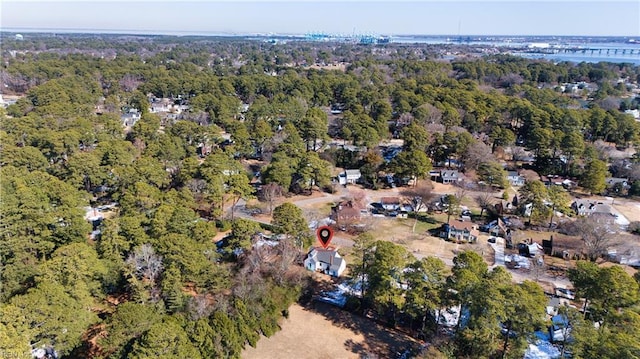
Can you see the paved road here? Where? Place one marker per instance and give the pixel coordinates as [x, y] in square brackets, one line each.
[326, 198]
[341, 240]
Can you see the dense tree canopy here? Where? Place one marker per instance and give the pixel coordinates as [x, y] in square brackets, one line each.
[148, 279]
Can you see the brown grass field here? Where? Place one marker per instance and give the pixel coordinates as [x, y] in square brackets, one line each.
[323, 331]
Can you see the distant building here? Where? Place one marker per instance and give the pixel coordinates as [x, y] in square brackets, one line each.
[635, 113]
[560, 328]
[515, 179]
[130, 118]
[327, 261]
[19, 37]
[434, 175]
[558, 181]
[539, 45]
[613, 181]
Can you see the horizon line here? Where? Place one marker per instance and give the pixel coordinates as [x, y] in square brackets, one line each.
[262, 33]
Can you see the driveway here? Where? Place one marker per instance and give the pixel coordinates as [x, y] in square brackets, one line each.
[498, 249]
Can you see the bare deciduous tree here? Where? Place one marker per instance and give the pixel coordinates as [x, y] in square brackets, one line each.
[198, 307]
[597, 232]
[518, 153]
[130, 83]
[145, 263]
[484, 199]
[420, 196]
[270, 193]
[359, 197]
[287, 252]
[434, 115]
[511, 79]
[476, 154]
[538, 267]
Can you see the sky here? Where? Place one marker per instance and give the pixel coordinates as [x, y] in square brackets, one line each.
[427, 17]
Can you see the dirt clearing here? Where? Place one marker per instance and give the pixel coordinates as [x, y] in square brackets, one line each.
[324, 331]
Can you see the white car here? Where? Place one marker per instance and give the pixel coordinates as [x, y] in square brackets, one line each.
[565, 293]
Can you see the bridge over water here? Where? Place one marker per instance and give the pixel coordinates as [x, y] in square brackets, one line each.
[588, 51]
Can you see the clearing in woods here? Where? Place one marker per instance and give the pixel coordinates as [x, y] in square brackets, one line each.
[324, 331]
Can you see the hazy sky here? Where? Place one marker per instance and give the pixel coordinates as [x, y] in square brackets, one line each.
[444, 17]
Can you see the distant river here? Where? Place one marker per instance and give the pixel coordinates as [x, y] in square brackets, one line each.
[579, 57]
[512, 45]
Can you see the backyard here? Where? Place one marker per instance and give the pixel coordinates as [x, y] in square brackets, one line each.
[324, 331]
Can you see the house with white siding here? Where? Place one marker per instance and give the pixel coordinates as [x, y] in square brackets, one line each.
[327, 261]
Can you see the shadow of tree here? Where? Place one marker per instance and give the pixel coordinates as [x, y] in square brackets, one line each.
[355, 347]
[379, 341]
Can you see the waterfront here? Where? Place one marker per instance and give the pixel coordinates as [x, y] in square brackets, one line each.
[556, 49]
[580, 57]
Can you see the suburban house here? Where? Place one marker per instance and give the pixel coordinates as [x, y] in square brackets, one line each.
[390, 203]
[515, 179]
[635, 113]
[204, 149]
[585, 207]
[327, 261]
[349, 177]
[558, 181]
[460, 231]
[346, 147]
[130, 118]
[613, 181]
[450, 176]
[161, 106]
[346, 213]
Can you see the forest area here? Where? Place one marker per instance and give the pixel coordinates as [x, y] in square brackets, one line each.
[148, 280]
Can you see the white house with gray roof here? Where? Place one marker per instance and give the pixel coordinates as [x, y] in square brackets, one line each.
[327, 261]
[350, 177]
[585, 207]
[450, 176]
[515, 179]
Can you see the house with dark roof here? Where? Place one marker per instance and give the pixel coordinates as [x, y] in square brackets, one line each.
[346, 213]
[555, 180]
[390, 203]
[613, 181]
[327, 261]
[460, 231]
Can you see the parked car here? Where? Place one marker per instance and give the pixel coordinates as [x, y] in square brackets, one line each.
[565, 293]
[492, 240]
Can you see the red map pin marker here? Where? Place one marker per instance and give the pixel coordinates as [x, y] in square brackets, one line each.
[325, 234]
